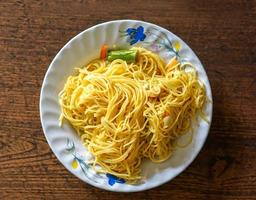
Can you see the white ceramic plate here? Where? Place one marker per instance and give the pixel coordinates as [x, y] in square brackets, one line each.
[84, 47]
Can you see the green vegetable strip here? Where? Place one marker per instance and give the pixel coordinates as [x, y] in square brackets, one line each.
[127, 55]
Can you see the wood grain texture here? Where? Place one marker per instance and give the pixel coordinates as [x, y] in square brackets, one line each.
[222, 33]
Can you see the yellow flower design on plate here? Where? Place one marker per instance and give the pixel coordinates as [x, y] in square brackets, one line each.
[177, 46]
[74, 164]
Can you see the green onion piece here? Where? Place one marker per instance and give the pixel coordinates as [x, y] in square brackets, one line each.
[127, 55]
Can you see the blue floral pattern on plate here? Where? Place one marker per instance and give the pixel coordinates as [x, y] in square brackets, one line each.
[156, 40]
[79, 161]
[134, 35]
[114, 179]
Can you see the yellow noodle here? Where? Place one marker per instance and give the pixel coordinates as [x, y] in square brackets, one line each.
[127, 112]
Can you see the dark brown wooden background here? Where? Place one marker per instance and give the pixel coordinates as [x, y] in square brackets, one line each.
[221, 32]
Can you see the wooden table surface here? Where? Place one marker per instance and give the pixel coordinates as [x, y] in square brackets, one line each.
[221, 32]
